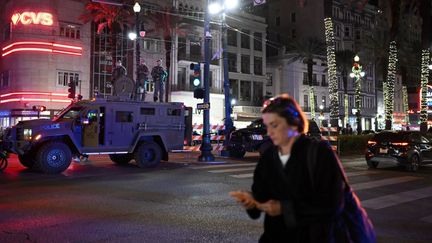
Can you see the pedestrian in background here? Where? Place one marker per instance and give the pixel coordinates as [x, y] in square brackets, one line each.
[159, 75]
[300, 204]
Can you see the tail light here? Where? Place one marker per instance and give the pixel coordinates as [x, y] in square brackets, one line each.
[400, 144]
[371, 142]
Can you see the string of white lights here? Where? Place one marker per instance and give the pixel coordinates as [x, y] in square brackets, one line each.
[424, 83]
[391, 77]
[405, 103]
[331, 62]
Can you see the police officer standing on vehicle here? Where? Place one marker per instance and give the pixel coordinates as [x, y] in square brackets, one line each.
[143, 73]
[159, 75]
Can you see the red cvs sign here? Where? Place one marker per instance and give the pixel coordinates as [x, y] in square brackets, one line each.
[27, 18]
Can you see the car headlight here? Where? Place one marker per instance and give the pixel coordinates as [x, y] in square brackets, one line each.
[28, 134]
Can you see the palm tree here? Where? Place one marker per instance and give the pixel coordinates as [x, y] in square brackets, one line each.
[112, 18]
[331, 62]
[392, 12]
[306, 51]
[344, 61]
[425, 10]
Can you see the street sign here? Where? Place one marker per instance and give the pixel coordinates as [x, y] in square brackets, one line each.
[203, 106]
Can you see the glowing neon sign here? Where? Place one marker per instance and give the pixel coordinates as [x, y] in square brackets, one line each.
[39, 46]
[27, 18]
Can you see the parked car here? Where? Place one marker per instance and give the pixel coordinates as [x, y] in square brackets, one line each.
[254, 138]
[408, 148]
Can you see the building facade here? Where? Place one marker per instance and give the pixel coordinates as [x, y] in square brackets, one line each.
[44, 46]
[304, 20]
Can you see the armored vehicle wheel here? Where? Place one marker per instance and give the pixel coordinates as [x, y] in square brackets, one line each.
[237, 152]
[53, 157]
[121, 159]
[27, 160]
[148, 154]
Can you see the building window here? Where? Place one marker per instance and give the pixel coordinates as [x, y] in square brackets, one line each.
[293, 33]
[195, 51]
[232, 62]
[245, 91]
[305, 79]
[277, 20]
[4, 79]
[257, 41]
[258, 98]
[293, 17]
[245, 40]
[64, 77]
[337, 27]
[245, 64]
[323, 80]
[357, 34]
[258, 67]
[232, 37]
[305, 101]
[70, 31]
[347, 32]
[234, 89]
[314, 79]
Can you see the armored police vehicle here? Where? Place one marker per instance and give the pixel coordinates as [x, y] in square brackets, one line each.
[125, 130]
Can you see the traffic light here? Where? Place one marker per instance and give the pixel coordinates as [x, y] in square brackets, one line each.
[196, 80]
[71, 89]
[39, 108]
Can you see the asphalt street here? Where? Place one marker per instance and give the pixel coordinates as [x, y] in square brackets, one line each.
[185, 201]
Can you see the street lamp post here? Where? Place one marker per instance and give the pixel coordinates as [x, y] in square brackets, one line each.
[358, 74]
[216, 8]
[137, 10]
[206, 148]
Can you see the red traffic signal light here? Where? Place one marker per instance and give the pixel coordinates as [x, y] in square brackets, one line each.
[39, 108]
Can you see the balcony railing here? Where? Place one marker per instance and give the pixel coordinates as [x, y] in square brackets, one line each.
[317, 109]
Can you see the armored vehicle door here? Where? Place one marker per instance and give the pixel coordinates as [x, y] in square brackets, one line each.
[121, 131]
[91, 128]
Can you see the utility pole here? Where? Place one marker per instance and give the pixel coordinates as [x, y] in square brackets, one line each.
[228, 120]
[206, 148]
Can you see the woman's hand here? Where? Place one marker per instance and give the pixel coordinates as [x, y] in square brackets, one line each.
[245, 198]
[271, 207]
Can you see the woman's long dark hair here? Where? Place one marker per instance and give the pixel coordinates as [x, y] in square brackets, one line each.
[285, 106]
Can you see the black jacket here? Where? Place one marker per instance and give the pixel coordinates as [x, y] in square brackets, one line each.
[308, 213]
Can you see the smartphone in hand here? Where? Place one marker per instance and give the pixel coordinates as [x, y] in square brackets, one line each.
[245, 198]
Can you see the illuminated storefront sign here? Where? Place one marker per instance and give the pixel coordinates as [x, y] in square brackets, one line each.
[35, 97]
[29, 18]
[37, 46]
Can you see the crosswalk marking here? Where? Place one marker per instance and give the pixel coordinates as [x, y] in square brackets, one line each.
[222, 166]
[398, 198]
[231, 170]
[359, 173]
[243, 176]
[384, 182]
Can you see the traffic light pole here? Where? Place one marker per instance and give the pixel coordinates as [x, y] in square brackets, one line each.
[206, 148]
[228, 120]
